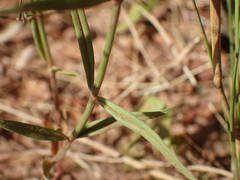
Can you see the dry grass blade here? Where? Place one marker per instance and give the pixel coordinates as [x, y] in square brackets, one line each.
[140, 46]
[25, 117]
[212, 170]
[154, 21]
[215, 13]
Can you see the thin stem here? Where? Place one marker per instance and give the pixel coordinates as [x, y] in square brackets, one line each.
[217, 68]
[233, 24]
[207, 44]
[231, 31]
[40, 39]
[50, 64]
[102, 69]
[107, 49]
[237, 14]
[82, 122]
[235, 95]
[41, 42]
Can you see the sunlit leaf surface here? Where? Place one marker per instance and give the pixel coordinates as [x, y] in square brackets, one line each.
[43, 5]
[132, 122]
[32, 131]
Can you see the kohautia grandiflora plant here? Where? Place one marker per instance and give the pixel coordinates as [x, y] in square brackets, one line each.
[133, 121]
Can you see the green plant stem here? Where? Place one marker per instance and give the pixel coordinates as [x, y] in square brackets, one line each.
[50, 64]
[102, 69]
[40, 39]
[234, 96]
[233, 108]
[82, 122]
[237, 24]
[220, 86]
[107, 49]
[207, 44]
[230, 29]
[233, 28]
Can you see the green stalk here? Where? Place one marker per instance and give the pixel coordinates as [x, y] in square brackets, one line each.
[231, 30]
[233, 95]
[82, 122]
[101, 70]
[237, 24]
[235, 91]
[42, 46]
[107, 50]
[233, 23]
[50, 64]
[214, 49]
[207, 44]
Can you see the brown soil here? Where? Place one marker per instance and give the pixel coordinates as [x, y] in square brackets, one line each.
[182, 81]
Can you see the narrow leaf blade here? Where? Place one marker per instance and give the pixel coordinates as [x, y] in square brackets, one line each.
[102, 125]
[32, 131]
[85, 44]
[130, 121]
[68, 73]
[43, 5]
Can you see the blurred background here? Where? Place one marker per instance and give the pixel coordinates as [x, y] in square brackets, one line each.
[158, 61]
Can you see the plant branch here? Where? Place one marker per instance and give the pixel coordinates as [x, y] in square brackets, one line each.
[101, 70]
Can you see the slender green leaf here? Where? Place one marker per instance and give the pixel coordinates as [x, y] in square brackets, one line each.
[68, 73]
[102, 68]
[151, 103]
[64, 72]
[100, 126]
[132, 122]
[44, 41]
[162, 126]
[43, 5]
[37, 39]
[32, 131]
[159, 125]
[207, 44]
[85, 44]
[88, 41]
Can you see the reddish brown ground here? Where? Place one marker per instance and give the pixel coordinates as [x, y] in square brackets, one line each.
[24, 86]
